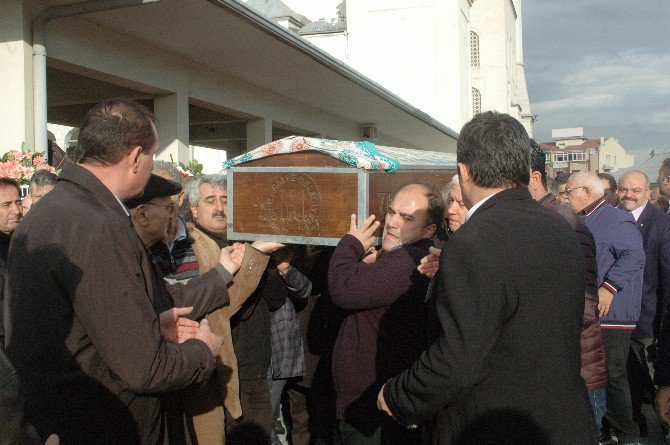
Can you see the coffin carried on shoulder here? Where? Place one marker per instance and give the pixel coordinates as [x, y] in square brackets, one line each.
[301, 190]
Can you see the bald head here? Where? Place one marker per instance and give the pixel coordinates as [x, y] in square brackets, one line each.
[415, 212]
[633, 190]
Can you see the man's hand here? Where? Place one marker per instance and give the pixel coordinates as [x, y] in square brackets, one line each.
[283, 258]
[381, 403]
[604, 300]
[430, 263]
[366, 232]
[177, 329]
[237, 255]
[266, 246]
[371, 255]
[663, 403]
[227, 261]
[213, 341]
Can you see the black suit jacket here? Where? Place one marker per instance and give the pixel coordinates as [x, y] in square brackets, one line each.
[654, 226]
[510, 301]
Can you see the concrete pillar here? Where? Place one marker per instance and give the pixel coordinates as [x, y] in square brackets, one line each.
[259, 132]
[16, 88]
[173, 134]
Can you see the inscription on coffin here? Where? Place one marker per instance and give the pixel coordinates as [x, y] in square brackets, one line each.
[293, 200]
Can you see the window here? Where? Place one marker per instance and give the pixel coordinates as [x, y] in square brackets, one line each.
[577, 156]
[547, 157]
[560, 157]
[476, 101]
[474, 49]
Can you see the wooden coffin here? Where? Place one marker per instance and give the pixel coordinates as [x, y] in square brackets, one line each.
[307, 197]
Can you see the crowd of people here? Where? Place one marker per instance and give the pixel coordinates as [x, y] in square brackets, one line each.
[507, 308]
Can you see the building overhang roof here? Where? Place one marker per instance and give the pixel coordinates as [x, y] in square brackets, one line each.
[228, 36]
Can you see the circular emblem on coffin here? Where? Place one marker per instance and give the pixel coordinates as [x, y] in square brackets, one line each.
[293, 205]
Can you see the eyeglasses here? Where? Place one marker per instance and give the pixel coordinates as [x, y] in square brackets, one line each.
[566, 192]
[168, 207]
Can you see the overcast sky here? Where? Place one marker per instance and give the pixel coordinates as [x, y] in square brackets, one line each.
[603, 65]
[600, 64]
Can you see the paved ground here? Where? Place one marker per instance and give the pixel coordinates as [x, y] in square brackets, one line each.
[655, 436]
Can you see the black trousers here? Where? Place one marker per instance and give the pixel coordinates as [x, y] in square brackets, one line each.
[619, 406]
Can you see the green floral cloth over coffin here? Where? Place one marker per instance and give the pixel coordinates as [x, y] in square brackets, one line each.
[365, 155]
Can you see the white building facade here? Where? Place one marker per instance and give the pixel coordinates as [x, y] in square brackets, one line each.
[449, 58]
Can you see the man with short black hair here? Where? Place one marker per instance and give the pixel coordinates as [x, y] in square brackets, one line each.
[609, 188]
[11, 212]
[594, 368]
[561, 181]
[42, 182]
[511, 320]
[84, 298]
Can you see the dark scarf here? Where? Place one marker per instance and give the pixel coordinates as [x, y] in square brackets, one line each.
[221, 240]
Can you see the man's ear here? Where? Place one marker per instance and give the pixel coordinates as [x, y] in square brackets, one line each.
[194, 211]
[139, 215]
[464, 174]
[134, 157]
[535, 180]
[429, 231]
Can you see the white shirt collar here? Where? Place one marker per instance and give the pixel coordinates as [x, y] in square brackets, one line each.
[123, 206]
[476, 206]
[637, 212]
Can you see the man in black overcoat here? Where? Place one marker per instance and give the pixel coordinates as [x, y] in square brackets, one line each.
[510, 302]
[84, 298]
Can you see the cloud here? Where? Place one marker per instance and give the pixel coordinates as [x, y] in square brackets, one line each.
[574, 102]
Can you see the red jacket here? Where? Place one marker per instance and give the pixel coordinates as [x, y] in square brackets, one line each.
[594, 369]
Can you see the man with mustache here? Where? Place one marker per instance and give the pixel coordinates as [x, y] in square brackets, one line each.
[633, 193]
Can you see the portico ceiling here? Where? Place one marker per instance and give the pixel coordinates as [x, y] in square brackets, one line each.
[231, 38]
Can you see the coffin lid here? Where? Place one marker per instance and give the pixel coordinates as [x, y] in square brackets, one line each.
[364, 155]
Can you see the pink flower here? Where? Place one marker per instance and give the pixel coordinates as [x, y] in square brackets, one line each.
[39, 160]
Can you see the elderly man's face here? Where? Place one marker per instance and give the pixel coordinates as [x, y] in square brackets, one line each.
[633, 191]
[454, 209]
[37, 192]
[406, 218]
[159, 212]
[576, 195]
[212, 208]
[10, 209]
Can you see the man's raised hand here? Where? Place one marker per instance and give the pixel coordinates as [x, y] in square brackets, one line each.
[366, 232]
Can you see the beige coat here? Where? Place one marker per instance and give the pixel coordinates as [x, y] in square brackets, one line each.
[205, 406]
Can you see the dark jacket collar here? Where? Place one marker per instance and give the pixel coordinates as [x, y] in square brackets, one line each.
[83, 178]
[547, 200]
[505, 196]
[220, 240]
[586, 211]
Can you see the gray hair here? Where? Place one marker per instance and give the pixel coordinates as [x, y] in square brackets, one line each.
[192, 189]
[589, 180]
[43, 177]
[170, 169]
[447, 188]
